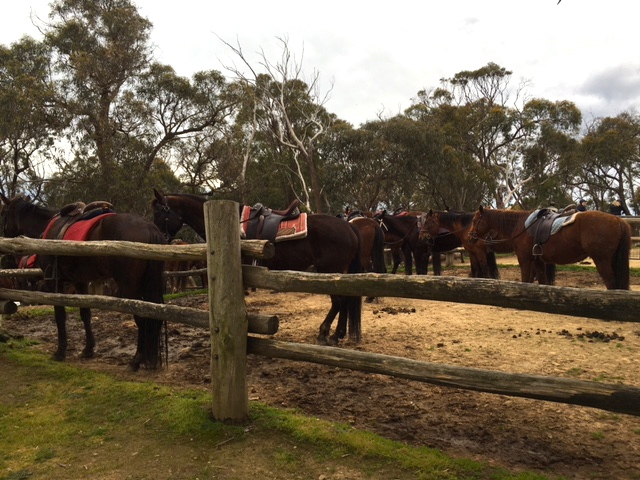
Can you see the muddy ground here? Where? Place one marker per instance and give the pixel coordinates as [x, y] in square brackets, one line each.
[576, 442]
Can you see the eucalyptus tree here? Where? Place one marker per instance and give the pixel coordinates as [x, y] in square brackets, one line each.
[29, 120]
[549, 152]
[291, 111]
[128, 112]
[611, 162]
[488, 121]
[99, 46]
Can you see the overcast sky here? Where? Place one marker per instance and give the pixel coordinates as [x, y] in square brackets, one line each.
[378, 55]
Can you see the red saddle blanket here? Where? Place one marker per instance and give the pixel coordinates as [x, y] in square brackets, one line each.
[287, 230]
[80, 230]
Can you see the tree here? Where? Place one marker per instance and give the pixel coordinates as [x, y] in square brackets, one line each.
[292, 112]
[29, 120]
[99, 46]
[128, 113]
[611, 166]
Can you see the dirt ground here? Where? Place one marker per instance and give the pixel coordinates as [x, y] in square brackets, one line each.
[552, 438]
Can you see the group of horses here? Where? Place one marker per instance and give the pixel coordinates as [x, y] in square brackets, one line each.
[332, 245]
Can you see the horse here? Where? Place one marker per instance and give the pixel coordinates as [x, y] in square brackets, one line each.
[135, 278]
[372, 242]
[603, 237]
[454, 226]
[331, 246]
[404, 229]
[181, 283]
[401, 232]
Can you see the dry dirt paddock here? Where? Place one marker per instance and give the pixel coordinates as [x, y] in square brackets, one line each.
[576, 442]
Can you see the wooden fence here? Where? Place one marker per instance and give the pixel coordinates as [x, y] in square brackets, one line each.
[232, 329]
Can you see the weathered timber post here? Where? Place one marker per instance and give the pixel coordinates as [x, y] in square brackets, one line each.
[227, 312]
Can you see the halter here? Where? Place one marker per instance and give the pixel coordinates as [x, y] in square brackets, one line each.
[165, 221]
[382, 225]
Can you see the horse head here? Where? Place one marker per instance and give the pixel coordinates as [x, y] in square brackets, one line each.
[429, 226]
[166, 219]
[479, 226]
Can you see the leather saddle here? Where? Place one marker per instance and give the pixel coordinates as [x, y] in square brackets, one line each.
[545, 222]
[78, 211]
[263, 222]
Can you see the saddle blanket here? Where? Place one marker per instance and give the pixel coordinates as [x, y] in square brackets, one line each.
[291, 229]
[80, 230]
[558, 223]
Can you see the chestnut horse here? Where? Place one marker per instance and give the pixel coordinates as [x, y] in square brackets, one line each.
[435, 225]
[135, 278]
[331, 246]
[604, 237]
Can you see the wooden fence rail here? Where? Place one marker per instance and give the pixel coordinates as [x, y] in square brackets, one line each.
[229, 323]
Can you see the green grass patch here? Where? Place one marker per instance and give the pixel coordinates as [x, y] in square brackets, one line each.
[58, 421]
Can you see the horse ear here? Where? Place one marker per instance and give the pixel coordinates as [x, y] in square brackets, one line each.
[160, 196]
[480, 209]
[5, 200]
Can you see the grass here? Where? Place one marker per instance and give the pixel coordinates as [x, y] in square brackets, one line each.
[58, 421]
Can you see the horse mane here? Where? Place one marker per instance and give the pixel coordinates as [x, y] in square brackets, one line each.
[507, 220]
[189, 196]
[453, 219]
[24, 206]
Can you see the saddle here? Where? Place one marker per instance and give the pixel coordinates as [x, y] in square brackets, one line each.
[262, 223]
[543, 223]
[73, 213]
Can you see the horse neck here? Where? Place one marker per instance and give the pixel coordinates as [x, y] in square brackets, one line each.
[507, 224]
[192, 213]
[457, 223]
[401, 226]
[33, 223]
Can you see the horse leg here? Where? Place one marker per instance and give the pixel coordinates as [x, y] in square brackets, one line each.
[85, 316]
[408, 259]
[341, 327]
[90, 341]
[437, 263]
[397, 259]
[61, 324]
[337, 302]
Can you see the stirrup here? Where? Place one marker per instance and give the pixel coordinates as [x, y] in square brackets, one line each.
[536, 251]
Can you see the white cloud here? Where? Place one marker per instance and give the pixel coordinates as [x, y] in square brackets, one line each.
[381, 55]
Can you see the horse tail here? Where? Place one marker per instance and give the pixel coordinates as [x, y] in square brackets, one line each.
[550, 270]
[354, 310]
[621, 257]
[492, 265]
[379, 265]
[354, 304]
[149, 329]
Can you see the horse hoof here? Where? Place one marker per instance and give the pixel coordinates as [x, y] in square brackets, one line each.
[59, 357]
[134, 366]
[87, 354]
[322, 340]
[333, 341]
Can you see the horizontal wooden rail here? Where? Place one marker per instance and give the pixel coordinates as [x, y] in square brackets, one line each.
[614, 398]
[258, 323]
[27, 246]
[619, 305]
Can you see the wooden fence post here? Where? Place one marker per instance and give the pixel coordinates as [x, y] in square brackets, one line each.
[227, 312]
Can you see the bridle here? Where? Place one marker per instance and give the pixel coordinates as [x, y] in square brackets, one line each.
[165, 212]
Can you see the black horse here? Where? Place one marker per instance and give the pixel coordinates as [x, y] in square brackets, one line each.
[135, 278]
[331, 246]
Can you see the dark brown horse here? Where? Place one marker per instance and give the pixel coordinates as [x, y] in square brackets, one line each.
[404, 229]
[135, 279]
[401, 231]
[372, 243]
[604, 237]
[454, 226]
[331, 246]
